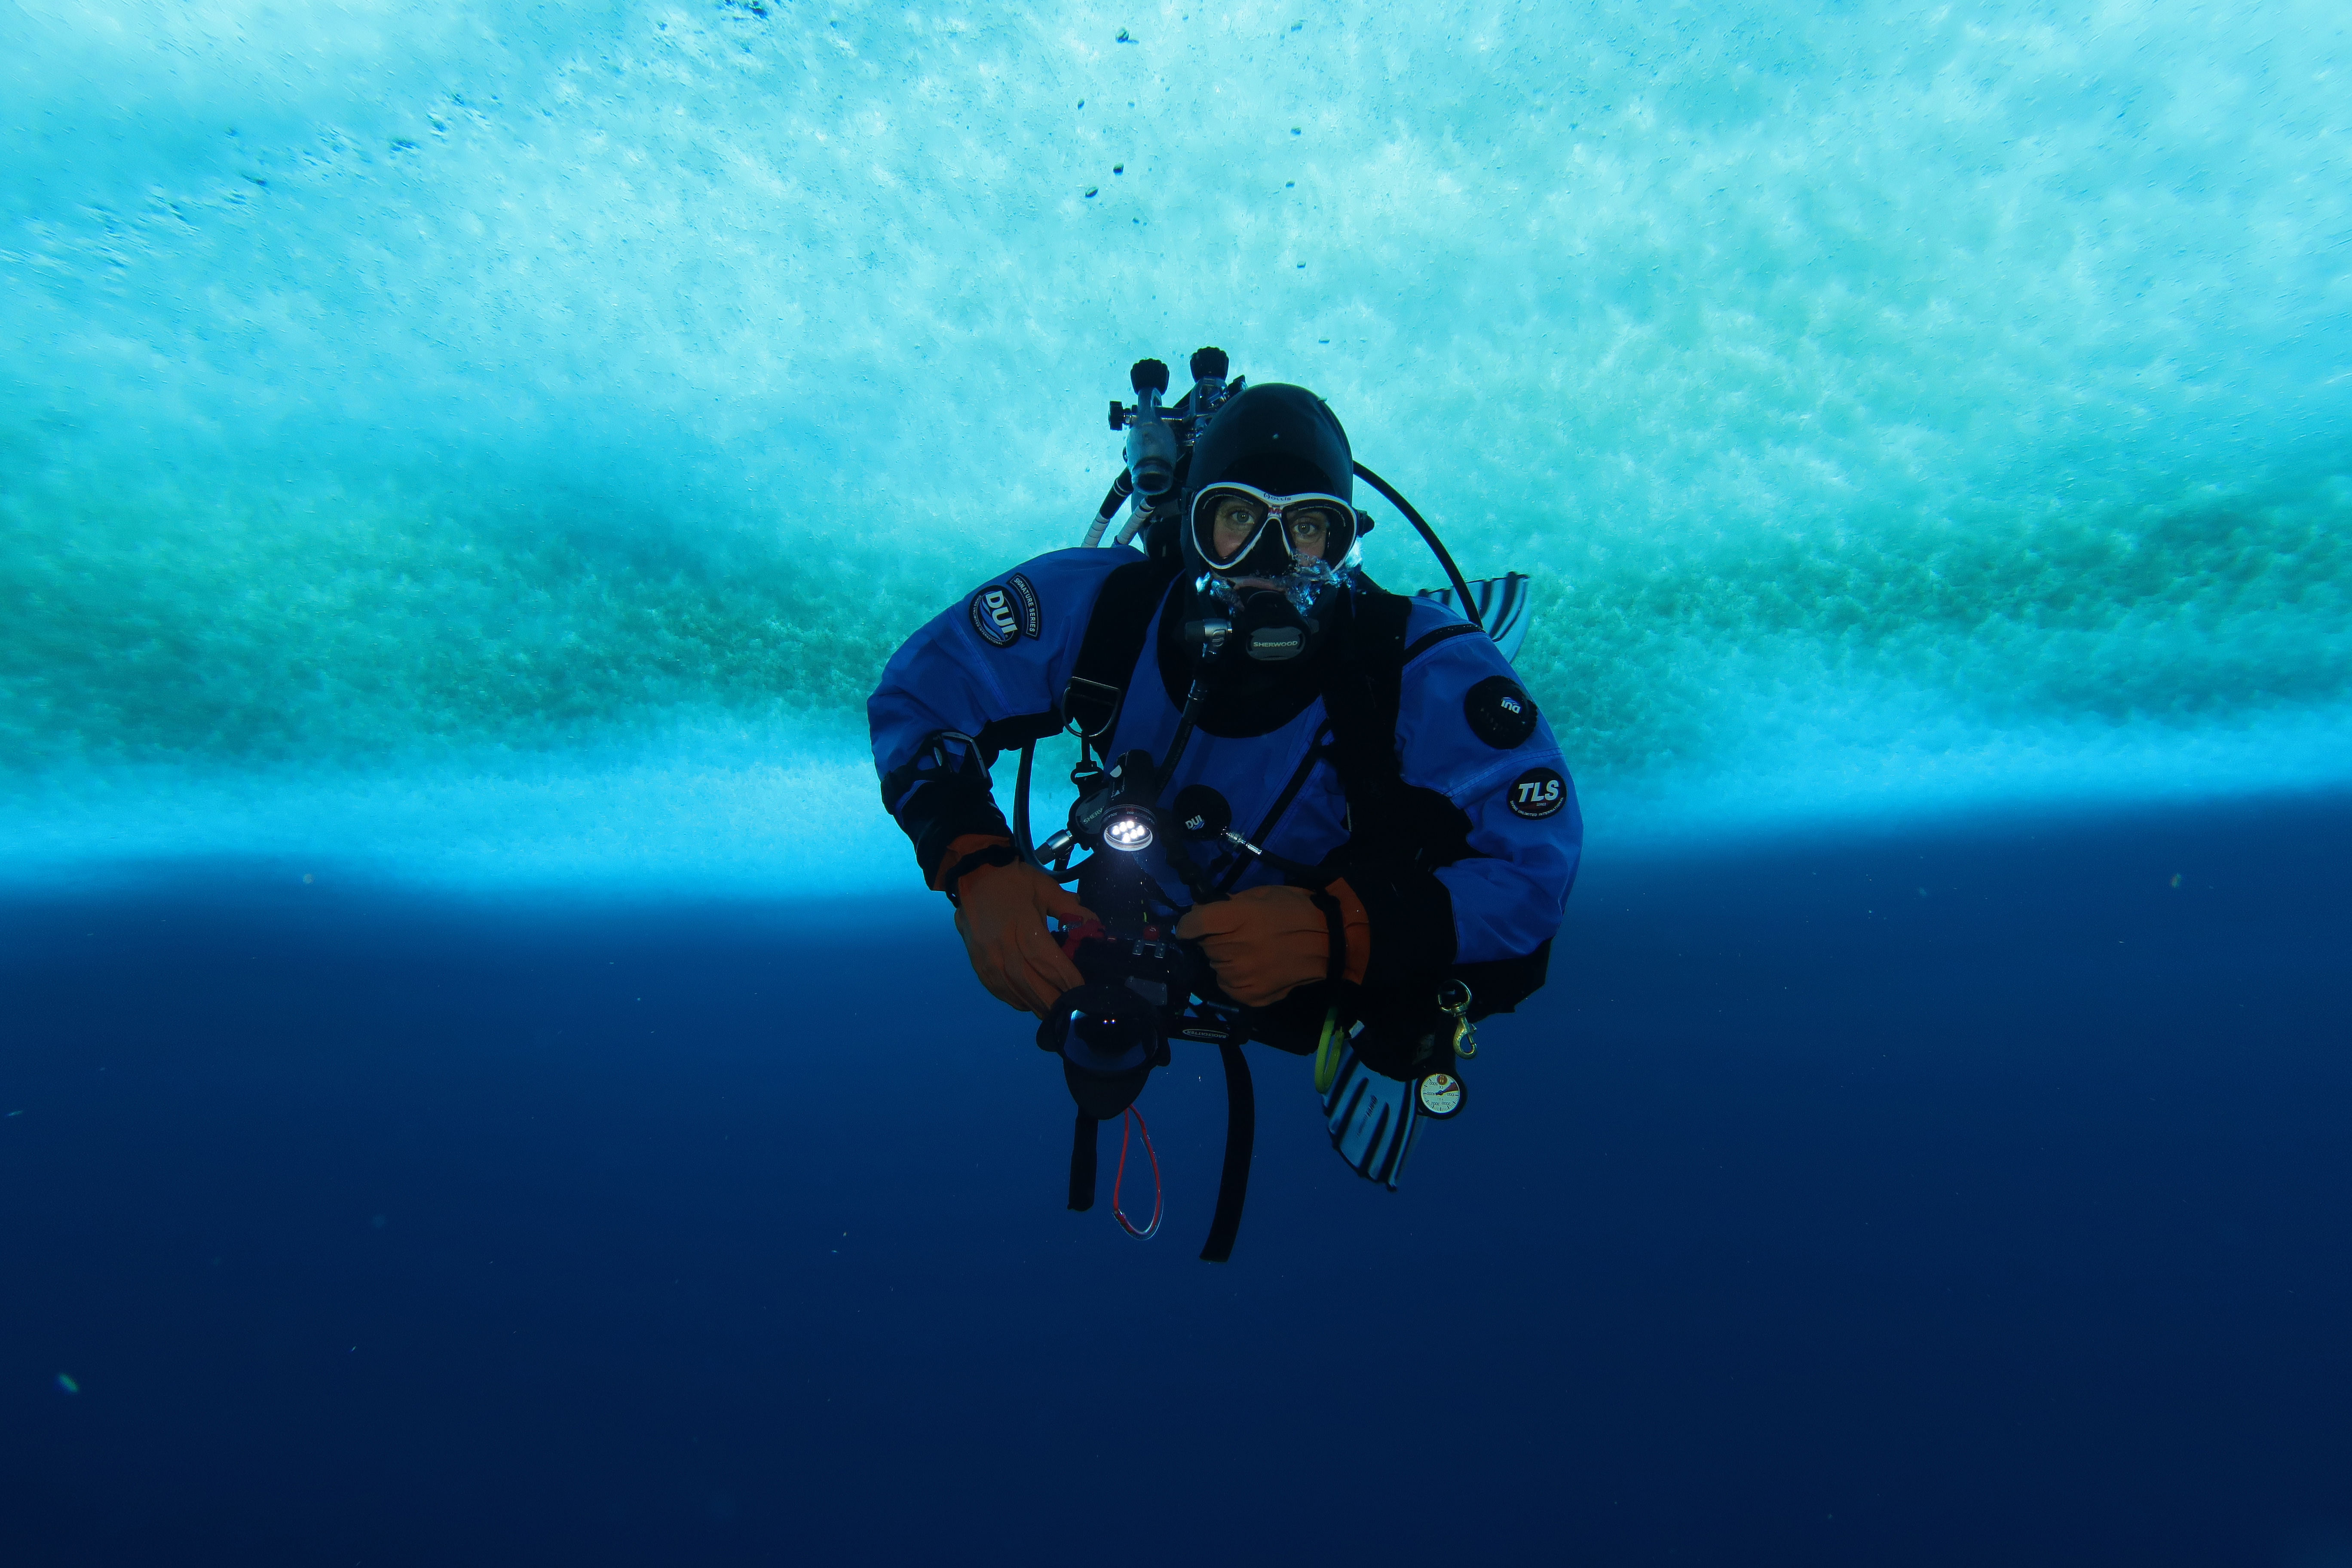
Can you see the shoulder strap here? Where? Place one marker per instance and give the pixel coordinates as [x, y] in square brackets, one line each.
[1082, 1164]
[1112, 644]
[1428, 641]
[1388, 820]
[1363, 688]
[1241, 1138]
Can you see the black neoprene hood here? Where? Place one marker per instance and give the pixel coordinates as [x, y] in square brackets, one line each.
[1282, 440]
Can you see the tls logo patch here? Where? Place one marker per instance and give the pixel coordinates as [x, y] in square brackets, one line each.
[1537, 794]
[1004, 611]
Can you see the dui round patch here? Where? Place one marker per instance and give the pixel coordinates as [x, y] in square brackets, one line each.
[1202, 811]
[1500, 713]
[1537, 794]
[995, 616]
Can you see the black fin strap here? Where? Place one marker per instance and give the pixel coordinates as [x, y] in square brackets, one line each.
[1082, 1164]
[1338, 922]
[1240, 1137]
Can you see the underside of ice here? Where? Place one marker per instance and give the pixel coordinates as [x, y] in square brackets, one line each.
[504, 441]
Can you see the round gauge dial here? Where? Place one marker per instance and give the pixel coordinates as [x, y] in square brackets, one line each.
[1441, 1094]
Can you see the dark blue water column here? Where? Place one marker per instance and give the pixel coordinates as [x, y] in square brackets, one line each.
[1977, 1195]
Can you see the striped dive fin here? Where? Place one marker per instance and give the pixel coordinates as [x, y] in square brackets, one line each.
[1502, 607]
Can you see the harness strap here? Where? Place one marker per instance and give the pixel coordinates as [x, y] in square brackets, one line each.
[1362, 692]
[1240, 1137]
[1427, 640]
[1082, 1164]
[1112, 645]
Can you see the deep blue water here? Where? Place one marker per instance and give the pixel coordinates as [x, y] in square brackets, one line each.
[497, 445]
[1958, 1197]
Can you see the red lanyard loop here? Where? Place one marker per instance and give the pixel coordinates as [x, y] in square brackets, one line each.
[1133, 1122]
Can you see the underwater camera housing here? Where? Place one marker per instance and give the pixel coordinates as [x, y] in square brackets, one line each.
[1128, 948]
[1139, 984]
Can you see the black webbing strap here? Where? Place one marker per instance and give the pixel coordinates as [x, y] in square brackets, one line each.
[1240, 1137]
[1427, 640]
[1281, 803]
[1335, 920]
[1112, 644]
[1362, 692]
[1082, 1164]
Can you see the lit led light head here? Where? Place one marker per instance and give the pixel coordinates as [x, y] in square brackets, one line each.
[1127, 827]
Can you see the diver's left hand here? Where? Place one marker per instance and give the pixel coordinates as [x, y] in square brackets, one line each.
[1002, 924]
[1265, 943]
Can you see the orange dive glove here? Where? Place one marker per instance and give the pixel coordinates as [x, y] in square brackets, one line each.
[1002, 924]
[1265, 943]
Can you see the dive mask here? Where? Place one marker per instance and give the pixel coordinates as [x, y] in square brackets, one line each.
[1273, 529]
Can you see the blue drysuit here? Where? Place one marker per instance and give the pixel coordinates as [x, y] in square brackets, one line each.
[1465, 731]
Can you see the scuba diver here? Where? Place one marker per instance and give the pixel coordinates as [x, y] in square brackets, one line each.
[1324, 818]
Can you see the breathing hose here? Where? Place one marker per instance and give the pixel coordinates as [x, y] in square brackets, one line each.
[1436, 545]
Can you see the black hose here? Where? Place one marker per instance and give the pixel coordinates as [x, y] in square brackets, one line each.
[1184, 726]
[1436, 545]
[1021, 846]
[1196, 882]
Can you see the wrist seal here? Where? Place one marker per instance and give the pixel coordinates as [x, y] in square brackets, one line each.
[994, 855]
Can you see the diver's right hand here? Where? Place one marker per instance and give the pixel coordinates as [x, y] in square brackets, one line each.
[1002, 924]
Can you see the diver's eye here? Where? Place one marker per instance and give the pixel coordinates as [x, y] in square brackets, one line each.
[1238, 515]
[1309, 527]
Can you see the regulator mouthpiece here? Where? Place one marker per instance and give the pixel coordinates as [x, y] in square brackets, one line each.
[1277, 645]
[1269, 619]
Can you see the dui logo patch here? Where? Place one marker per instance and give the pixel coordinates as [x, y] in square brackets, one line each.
[1500, 713]
[1004, 611]
[1537, 794]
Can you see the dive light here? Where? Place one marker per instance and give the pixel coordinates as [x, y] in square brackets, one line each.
[1120, 815]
